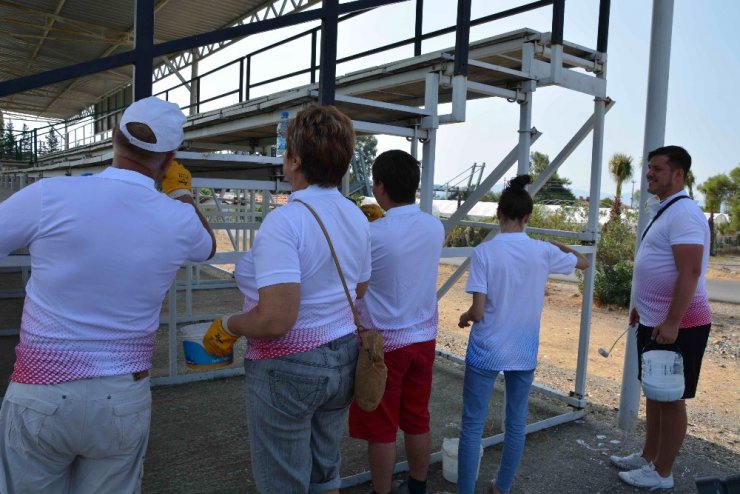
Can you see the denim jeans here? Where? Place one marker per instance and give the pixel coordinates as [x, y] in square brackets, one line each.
[296, 414]
[477, 391]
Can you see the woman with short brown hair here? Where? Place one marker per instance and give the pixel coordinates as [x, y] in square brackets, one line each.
[302, 347]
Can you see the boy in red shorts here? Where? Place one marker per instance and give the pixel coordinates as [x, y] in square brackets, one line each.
[401, 301]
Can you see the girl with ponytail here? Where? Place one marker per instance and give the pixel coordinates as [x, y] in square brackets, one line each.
[507, 280]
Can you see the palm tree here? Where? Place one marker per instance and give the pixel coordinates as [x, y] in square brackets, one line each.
[620, 166]
[690, 180]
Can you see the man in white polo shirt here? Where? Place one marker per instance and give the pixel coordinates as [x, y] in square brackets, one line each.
[401, 301]
[104, 250]
[671, 306]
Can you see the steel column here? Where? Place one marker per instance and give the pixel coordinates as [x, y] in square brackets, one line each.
[328, 69]
[143, 47]
[558, 22]
[195, 85]
[462, 37]
[525, 127]
[418, 27]
[655, 118]
[430, 124]
[602, 40]
[414, 151]
[597, 152]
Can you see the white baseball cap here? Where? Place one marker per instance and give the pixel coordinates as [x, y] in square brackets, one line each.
[165, 119]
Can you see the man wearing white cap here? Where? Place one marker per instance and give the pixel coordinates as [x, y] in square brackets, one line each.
[104, 250]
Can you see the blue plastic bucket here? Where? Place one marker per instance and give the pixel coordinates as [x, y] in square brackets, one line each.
[196, 356]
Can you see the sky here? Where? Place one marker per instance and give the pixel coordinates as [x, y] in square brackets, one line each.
[702, 112]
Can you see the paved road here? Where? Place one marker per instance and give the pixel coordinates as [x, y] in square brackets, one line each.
[727, 291]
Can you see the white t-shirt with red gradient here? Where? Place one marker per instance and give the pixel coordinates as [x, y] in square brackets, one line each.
[401, 300]
[291, 248]
[104, 251]
[655, 273]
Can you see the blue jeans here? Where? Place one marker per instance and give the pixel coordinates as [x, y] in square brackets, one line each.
[296, 414]
[477, 391]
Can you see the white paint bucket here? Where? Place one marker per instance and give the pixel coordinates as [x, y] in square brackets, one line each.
[662, 375]
[196, 356]
[449, 459]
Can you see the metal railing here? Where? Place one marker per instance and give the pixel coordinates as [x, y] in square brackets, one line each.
[79, 131]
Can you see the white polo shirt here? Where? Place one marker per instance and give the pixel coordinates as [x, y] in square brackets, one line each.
[291, 248]
[104, 250]
[655, 270]
[401, 299]
[512, 271]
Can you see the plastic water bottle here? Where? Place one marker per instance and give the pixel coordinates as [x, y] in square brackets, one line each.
[282, 134]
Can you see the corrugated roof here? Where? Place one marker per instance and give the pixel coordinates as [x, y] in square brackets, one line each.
[40, 35]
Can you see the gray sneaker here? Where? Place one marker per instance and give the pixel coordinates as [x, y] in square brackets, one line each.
[629, 462]
[647, 478]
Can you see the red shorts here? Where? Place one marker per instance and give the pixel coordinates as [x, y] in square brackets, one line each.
[405, 403]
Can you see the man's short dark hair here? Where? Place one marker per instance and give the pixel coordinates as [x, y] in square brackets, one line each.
[400, 174]
[677, 156]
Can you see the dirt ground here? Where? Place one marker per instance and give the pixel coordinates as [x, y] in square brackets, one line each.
[714, 414]
[199, 440]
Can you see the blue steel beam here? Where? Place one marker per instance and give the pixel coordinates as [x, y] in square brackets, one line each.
[143, 48]
[188, 43]
[328, 61]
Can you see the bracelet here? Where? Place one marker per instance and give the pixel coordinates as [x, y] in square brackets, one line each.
[179, 193]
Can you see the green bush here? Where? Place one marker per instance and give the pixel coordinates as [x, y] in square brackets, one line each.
[613, 283]
[614, 261]
[465, 236]
[617, 244]
[568, 218]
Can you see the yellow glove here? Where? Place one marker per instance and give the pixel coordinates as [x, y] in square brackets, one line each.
[176, 181]
[372, 211]
[218, 340]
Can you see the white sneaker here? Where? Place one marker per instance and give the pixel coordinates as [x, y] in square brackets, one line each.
[629, 462]
[647, 477]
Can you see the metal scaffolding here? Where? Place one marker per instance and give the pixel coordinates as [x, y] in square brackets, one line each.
[400, 98]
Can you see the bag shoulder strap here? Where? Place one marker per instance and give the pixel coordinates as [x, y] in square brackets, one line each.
[660, 211]
[336, 263]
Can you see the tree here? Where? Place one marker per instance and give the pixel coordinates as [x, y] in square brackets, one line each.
[9, 144]
[620, 166]
[367, 148]
[26, 142]
[733, 201]
[716, 190]
[556, 188]
[690, 181]
[2, 134]
[52, 141]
